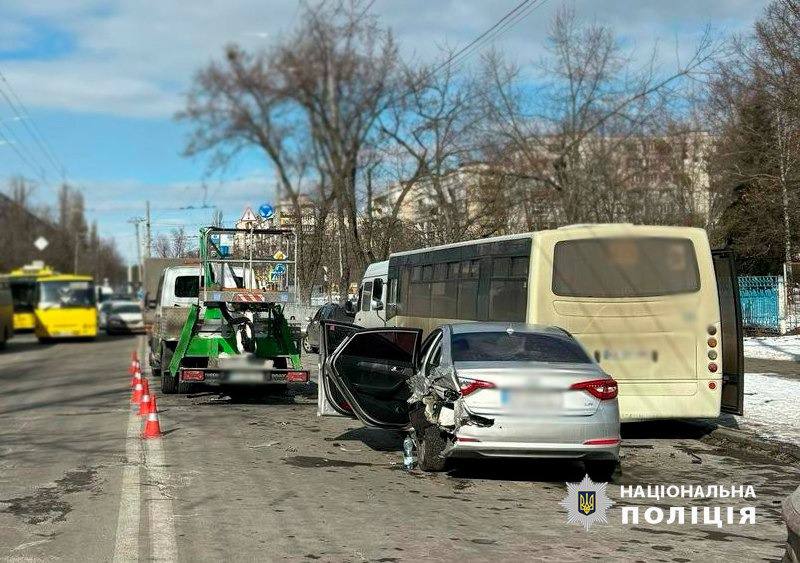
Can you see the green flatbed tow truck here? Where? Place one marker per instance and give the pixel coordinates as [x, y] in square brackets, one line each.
[236, 335]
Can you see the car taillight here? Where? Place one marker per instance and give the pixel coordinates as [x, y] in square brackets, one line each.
[297, 376]
[603, 389]
[602, 442]
[469, 386]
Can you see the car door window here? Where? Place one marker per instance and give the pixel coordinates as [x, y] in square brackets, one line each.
[429, 341]
[434, 357]
[371, 368]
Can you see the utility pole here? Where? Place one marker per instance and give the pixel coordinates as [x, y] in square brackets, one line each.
[148, 242]
[135, 221]
[147, 232]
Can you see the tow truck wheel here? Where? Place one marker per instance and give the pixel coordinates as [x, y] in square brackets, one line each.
[429, 449]
[169, 384]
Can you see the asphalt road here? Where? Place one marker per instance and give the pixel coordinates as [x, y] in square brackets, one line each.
[271, 481]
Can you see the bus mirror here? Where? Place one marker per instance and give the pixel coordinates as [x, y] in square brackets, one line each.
[349, 308]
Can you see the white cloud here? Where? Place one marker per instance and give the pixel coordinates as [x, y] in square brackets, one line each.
[137, 57]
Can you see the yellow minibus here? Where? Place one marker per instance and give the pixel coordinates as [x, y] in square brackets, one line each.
[64, 307]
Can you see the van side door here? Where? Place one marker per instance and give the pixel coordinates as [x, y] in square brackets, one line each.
[730, 313]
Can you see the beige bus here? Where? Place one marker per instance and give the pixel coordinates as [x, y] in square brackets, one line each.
[654, 305]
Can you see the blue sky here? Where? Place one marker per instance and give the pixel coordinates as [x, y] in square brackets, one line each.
[103, 79]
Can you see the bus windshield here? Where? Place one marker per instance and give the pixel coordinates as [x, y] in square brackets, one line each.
[23, 293]
[66, 294]
[625, 267]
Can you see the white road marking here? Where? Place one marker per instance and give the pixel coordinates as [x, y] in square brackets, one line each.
[127, 542]
[161, 519]
[163, 546]
[26, 545]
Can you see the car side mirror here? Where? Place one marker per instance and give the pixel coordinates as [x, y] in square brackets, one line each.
[377, 305]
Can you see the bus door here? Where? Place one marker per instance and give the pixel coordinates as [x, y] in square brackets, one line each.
[730, 312]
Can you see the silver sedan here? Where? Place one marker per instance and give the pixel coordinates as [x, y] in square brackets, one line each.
[475, 389]
[525, 391]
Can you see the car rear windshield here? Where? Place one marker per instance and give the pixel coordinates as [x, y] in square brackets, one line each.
[126, 309]
[516, 347]
[625, 267]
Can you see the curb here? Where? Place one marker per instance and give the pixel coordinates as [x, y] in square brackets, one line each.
[778, 451]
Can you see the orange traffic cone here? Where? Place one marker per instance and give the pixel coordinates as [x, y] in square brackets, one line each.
[136, 377]
[134, 363]
[152, 429]
[136, 396]
[146, 405]
[145, 387]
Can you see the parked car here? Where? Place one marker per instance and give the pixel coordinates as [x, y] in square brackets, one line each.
[476, 390]
[102, 314]
[123, 317]
[328, 312]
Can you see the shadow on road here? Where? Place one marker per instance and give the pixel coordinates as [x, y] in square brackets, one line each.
[374, 438]
[675, 429]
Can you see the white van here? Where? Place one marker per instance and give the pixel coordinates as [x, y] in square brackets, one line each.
[371, 306]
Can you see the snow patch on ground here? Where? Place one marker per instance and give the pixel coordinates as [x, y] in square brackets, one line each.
[772, 407]
[773, 347]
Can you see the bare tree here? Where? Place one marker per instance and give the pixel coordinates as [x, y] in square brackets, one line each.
[310, 103]
[566, 139]
[432, 133]
[174, 245]
[755, 107]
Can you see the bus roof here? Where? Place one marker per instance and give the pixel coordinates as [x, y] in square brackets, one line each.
[31, 273]
[598, 228]
[465, 243]
[64, 277]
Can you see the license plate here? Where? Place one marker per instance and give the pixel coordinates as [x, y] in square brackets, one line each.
[531, 401]
[246, 377]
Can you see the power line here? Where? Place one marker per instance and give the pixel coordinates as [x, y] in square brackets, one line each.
[475, 41]
[19, 143]
[33, 129]
[22, 157]
[501, 26]
[505, 27]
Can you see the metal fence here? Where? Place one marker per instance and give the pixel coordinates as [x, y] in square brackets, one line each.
[760, 299]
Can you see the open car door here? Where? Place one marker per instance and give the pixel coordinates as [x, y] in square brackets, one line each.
[369, 370]
[330, 402]
[730, 312]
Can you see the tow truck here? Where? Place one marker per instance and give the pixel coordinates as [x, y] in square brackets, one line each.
[236, 336]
